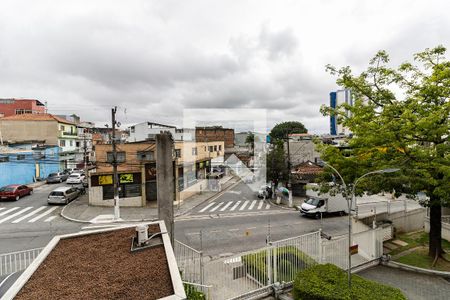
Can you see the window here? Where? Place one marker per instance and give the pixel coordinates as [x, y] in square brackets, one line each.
[194, 151]
[4, 158]
[178, 153]
[77, 144]
[215, 147]
[220, 147]
[20, 156]
[125, 191]
[71, 143]
[7, 101]
[120, 156]
[62, 143]
[62, 127]
[132, 129]
[211, 148]
[23, 111]
[145, 155]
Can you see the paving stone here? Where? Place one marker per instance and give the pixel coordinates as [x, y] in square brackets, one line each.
[399, 243]
[390, 246]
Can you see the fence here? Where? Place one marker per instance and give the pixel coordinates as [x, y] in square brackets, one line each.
[192, 289]
[190, 263]
[253, 273]
[17, 261]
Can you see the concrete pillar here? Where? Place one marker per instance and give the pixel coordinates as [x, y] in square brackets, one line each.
[165, 181]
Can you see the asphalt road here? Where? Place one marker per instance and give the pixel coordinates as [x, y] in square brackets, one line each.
[31, 223]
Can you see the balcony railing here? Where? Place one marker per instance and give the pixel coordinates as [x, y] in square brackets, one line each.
[68, 133]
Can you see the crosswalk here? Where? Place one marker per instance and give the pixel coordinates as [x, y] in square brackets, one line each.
[235, 206]
[27, 214]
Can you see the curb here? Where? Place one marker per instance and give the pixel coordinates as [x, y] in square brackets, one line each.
[69, 218]
[397, 265]
[279, 206]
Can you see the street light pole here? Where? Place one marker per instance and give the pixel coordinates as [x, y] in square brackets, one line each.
[350, 195]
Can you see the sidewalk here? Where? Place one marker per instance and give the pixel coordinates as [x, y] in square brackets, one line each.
[80, 210]
[284, 204]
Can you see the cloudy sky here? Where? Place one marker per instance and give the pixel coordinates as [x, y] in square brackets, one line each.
[155, 58]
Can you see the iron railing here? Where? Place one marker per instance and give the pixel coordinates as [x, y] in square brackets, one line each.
[17, 261]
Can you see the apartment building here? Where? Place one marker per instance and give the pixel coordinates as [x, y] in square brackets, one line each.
[137, 171]
[46, 129]
[10, 107]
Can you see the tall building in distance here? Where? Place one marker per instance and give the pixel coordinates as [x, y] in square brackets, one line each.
[337, 98]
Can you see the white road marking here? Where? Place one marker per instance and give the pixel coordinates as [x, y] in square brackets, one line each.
[2, 208]
[15, 215]
[98, 226]
[207, 206]
[244, 205]
[260, 204]
[251, 205]
[267, 206]
[236, 229]
[226, 206]
[216, 207]
[251, 228]
[235, 206]
[8, 211]
[29, 215]
[50, 218]
[42, 215]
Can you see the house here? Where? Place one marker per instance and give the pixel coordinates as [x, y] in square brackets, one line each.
[301, 148]
[25, 163]
[137, 171]
[302, 174]
[50, 129]
[148, 130]
[11, 107]
[118, 263]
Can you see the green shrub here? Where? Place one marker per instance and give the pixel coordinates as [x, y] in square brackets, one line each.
[327, 282]
[290, 260]
[193, 294]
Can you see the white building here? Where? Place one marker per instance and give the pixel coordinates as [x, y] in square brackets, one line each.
[148, 130]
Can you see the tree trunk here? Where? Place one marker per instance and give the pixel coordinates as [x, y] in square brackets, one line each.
[435, 236]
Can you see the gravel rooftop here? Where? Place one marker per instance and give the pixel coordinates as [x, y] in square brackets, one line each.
[101, 266]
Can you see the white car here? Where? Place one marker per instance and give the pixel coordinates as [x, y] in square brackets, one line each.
[76, 178]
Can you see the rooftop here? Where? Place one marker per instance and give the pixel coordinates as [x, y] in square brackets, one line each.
[37, 117]
[100, 265]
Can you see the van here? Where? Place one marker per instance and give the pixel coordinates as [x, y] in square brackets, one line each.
[63, 195]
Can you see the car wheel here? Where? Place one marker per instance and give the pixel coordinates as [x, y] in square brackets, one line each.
[31, 192]
[60, 181]
[317, 215]
[17, 198]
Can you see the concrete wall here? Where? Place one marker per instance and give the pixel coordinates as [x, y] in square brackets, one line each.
[403, 222]
[16, 130]
[301, 151]
[445, 229]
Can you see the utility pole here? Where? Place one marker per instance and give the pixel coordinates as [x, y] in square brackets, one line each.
[85, 153]
[114, 164]
[289, 170]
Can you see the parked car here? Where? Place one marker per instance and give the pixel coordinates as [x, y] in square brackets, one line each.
[63, 195]
[14, 191]
[75, 178]
[265, 191]
[57, 177]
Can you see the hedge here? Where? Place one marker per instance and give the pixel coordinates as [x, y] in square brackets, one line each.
[288, 258]
[327, 282]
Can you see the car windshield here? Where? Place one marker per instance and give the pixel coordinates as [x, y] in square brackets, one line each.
[56, 193]
[312, 201]
[53, 175]
[7, 189]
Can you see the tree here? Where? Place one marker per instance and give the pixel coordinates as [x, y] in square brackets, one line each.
[276, 163]
[250, 141]
[279, 131]
[400, 118]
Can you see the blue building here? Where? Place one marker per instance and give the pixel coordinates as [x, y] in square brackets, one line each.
[336, 99]
[26, 163]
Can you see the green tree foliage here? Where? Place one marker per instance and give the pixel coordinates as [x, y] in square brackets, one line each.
[400, 118]
[276, 163]
[280, 130]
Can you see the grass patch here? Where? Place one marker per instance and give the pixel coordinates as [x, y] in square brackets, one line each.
[416, 239]
[328, 282]
[419, 258]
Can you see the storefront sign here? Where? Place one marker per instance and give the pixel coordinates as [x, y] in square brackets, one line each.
[126, 178]
[105, 179]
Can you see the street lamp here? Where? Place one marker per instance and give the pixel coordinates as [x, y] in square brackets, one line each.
[349, 197]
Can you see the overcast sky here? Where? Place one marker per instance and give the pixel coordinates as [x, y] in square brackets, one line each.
[154, 58]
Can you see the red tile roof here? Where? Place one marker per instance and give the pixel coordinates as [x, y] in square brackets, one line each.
[37, 117]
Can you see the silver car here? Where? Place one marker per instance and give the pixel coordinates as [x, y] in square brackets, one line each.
[57, 177]
[63, 195]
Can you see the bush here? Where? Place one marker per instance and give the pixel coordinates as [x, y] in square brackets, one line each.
[192, 293]
[327, 282]
[290, 260]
